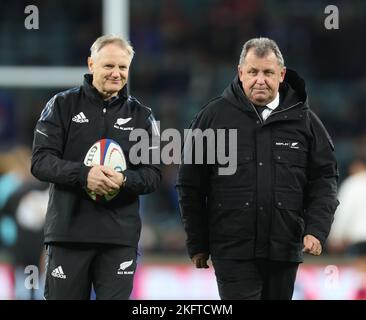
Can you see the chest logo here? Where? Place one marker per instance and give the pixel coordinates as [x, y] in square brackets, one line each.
[80, 118]
[121, 122]
[292, 145]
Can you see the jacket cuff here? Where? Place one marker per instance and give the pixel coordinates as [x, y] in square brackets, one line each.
[129, 176]
[83, 175]
[197, 248]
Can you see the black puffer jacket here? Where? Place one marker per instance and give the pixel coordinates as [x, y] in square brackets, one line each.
[284, 187]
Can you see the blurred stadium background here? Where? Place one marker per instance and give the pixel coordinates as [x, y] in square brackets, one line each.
[186, 53]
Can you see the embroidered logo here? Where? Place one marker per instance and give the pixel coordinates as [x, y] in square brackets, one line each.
[58, 273]
[121, 122]
[123, 266]
[80, 118]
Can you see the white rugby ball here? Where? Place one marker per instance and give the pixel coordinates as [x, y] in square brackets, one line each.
[108, 153]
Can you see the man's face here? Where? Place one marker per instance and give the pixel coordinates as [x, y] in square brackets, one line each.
[110, 69]
[261, 77]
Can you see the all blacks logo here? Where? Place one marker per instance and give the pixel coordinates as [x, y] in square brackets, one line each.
[91, 154]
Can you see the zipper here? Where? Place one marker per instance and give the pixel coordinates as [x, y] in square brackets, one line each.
[275, 112]
[259, 117]
[104, 122]
[255, 110]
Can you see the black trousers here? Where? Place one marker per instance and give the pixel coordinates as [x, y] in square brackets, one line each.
[73, 268]
[258, 279]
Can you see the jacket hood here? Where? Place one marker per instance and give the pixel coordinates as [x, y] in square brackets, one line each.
[292, 91]
[93, 92]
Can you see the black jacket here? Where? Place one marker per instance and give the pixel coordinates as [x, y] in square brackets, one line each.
[70, 124]
[284, 187]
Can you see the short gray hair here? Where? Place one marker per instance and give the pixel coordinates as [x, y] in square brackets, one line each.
[111, 38]
[262, 46]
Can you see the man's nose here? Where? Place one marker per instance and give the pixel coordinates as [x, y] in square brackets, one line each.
[115, 72]
[260, 79]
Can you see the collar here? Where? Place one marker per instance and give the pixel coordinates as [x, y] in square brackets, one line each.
[274, 104]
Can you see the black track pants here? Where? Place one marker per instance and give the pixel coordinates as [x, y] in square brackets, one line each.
[255, 279]
[72, 269]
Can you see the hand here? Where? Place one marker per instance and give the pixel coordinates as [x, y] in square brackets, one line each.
[312, 245]
[200, 260]
[115, 176]
[99, 183]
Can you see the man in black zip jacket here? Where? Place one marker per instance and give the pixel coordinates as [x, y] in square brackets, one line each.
[280, 202]
[92, 243]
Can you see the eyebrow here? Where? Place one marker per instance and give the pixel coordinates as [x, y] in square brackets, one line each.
[265, 70]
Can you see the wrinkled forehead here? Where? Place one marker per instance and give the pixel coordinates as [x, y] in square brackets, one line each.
[268, 60]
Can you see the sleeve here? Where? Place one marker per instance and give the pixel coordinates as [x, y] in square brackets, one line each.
[145, 177]
[321, 197]
[192, 191]
[48, 144]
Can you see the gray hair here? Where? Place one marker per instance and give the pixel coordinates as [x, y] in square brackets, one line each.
[262, 47]
[111, 38]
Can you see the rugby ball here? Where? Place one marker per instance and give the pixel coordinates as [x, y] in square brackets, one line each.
[108, 153]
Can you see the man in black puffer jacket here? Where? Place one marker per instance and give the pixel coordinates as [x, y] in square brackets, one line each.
[279, 203]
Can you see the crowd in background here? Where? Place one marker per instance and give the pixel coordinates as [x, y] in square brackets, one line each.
[186, 53]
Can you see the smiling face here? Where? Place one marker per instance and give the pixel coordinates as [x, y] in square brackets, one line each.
[109, 68]
[261, 77]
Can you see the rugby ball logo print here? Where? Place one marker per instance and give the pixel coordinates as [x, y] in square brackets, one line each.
[108, 153]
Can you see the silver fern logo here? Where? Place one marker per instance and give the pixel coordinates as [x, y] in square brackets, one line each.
[121, 122]
[123, 266]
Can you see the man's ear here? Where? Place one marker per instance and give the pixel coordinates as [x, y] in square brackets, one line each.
[283, 73]
[240, 71]
[90, 64]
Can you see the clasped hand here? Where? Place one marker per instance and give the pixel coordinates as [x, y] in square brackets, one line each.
[103, 180]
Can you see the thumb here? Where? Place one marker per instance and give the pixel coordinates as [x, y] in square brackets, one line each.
[307, 246]
[204, 263]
